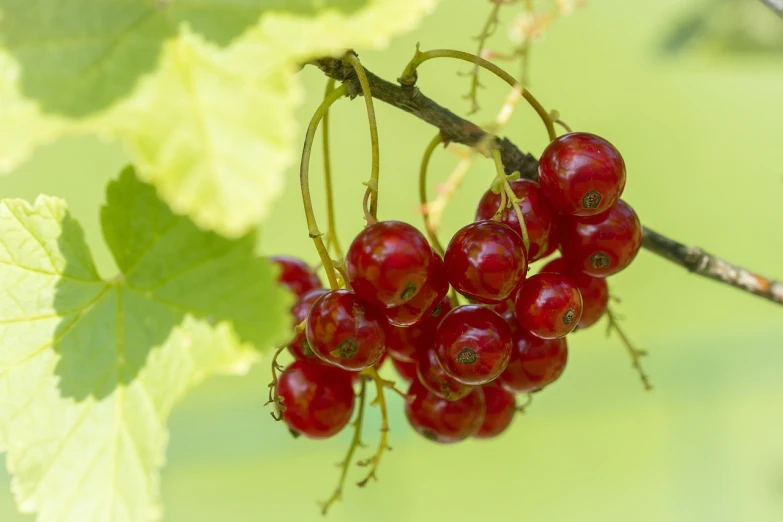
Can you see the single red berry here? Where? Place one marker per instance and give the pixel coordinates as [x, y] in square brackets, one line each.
[299, 346]
[554, 240]
[318, 399]
[548, 305]
[535, 363]
[594, 291]
[405, 343]
[501, 405]
[581, 174]
[406, 370]
[535, 211]
[444, 421]
[388, 263]
[296, 275]
[486, 261]
[473, 344]
[346, 332]
[437, 381]
[602, 245]
[423, 303]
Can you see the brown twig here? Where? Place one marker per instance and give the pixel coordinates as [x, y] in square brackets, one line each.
[454, 128]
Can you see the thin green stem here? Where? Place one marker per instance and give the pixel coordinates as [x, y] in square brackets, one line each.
[331, 223]
[635, 354]
[512, 197]
[409, 78]
[354, 62]
[425, 212]
[383, 444]
[304, 180]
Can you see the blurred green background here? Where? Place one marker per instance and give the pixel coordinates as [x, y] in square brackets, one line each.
[701, 132]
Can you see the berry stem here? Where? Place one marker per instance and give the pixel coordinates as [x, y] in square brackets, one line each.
[511, 195]
[354, 62]
[408, 78]
[383, 444]
[490, 26]
[304, 180]
[331, 226]
[636, 354]
[429, 229]
[356, 441]
[274, 397]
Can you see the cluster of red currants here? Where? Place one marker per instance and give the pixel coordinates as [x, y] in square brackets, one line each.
[465, 362]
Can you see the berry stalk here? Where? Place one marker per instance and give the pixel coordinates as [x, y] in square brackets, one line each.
[331, 223]
[429, 229]
[512, 197]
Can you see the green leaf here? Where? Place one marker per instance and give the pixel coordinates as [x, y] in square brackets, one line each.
[90, 369]
[81, 55]
[214, 128]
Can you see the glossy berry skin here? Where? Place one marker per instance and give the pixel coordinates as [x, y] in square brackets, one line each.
[594, 291]
[444, 421]
[438, 382]
[548, 305]
[406, 370]
[501, 405]
[296, 275]
[407, 343]
[388, 263]
[473, 344]
[299, 347]
[535, 211]
[581, 174]
[344, 331]
[602, 245]
[534, 363]
[486, 261]
[318, 399]
[423, 304]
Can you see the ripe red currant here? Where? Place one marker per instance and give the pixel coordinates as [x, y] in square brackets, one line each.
[581, 174]
[406, 370]
[535, 211]
[296, 275]
[437, 381]
[444, 421]
[388, 263]
[346, 332]
[405, 343]
[299, 347]
[594, 291]
[602, 245]
[318, 399]
[473, 344]
[423, 303]
[501, 405]
[548, 305]
[486, 261]
[534, 363]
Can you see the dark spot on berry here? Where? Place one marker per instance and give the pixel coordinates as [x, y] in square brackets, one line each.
[429, 435]
[599, 260]
[592, 199]
[346, 350]
[409, 292]
[467, 356]
[569, 316]
[437, 311]
[306, 350]
[295, 434]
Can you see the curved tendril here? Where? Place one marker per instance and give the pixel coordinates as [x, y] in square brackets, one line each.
[425, 212]
[331, 222]
[304, 180]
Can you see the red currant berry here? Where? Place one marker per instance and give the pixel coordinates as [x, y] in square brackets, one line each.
[299, 346]
[406, 370]
[318, 399]
[346, 332]
[594, 291]
[535, 211]
[581, 174]
[444, 421]
[405, 343]
[500, 408]
[388, 263]
[437, 381]
[296, 275]
[535, 363]
[602, 245]
[473, 344]
[424, 303]
[548, 305]
[486, 261]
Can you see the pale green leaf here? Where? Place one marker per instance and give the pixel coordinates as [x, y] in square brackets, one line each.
[90, 369]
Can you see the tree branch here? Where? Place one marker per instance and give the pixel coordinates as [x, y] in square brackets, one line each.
[454, 128]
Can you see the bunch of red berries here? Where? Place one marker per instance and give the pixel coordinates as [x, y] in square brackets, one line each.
[465, 362]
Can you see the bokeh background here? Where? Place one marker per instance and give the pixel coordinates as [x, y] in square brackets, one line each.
[690, 92]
